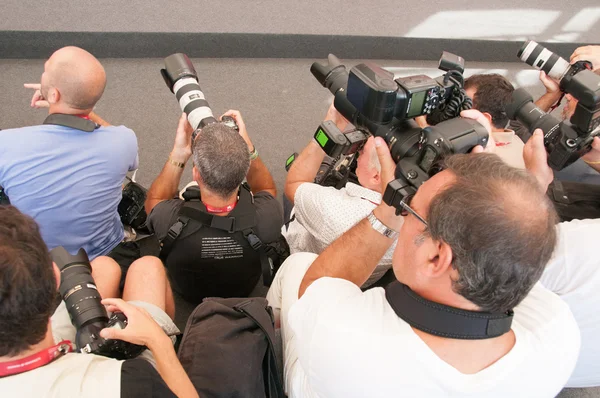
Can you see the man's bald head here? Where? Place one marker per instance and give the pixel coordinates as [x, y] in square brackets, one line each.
[77, 75]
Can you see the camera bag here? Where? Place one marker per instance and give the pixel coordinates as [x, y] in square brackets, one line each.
[575, 200]
[228, 349]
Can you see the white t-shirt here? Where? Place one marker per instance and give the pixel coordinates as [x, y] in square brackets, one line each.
[352, 344]
[510, 148]
[574, 274]
[323, 214]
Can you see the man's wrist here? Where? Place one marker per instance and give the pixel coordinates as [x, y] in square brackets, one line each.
[179, 155]
[159, 342]
[387, 216]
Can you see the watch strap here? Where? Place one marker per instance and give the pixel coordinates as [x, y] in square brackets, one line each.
[381, 227]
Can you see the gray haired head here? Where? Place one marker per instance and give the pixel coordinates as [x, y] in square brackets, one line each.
[500, 226]
[222, 159]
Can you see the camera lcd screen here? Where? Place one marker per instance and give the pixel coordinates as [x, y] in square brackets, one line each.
[322, 138]
[429, 155]
[416, 104]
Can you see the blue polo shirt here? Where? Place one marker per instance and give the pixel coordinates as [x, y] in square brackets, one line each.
[69, 181]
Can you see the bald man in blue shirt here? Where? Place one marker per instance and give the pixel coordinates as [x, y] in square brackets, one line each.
[67, 173]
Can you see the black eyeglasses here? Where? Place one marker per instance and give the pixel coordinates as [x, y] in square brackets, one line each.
[406, 209]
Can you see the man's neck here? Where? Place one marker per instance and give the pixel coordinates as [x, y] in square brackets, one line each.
[212, 200]
[46, 343]
[67, 111]
[466, 356]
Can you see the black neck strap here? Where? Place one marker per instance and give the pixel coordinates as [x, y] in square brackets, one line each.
[442, 320]
[72, 121]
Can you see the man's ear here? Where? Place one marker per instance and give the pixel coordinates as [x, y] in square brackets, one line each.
[488, 117]
[53, 96]
[196, 175]
[56, 274]
[440, 260]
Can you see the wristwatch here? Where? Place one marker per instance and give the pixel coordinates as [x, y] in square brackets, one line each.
[381, 227]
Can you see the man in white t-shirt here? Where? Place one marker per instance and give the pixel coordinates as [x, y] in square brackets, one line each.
[322, 214]
[574, 271]
[475, 238]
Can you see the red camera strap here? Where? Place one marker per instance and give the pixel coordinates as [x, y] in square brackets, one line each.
[225, 209]
[36, 360]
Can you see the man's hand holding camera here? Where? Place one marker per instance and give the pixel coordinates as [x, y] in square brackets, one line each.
[237, 116]
[141, 328]
[587, 53]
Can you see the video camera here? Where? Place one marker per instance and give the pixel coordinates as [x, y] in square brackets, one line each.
[182, 79]
[88, 315]
[378, 105]
[565, 141]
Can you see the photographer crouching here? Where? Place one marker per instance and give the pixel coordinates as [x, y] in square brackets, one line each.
[465, 317]
[322, 214]
[36, 357]
[206, 237]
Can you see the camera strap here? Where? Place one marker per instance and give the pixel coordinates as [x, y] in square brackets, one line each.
[36, 360]
[82, 123]
[442, 320]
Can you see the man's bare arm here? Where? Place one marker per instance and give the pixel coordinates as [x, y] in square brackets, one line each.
[143, 330]
[260, 179]
[355, 254]
[304, 169]
[167, 183]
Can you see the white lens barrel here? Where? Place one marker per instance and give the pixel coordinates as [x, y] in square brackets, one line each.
[192, 101]
[543, 59]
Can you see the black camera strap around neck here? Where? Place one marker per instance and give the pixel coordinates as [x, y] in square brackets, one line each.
[73, 121]
[442, 320]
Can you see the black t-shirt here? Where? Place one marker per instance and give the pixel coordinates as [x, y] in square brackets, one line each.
[211, 262]
[140, 379]
[269, 217]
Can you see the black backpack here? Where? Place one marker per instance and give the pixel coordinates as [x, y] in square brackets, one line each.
[228, 349]
[214, 256]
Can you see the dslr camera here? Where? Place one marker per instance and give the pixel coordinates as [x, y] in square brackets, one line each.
[565, 141]
[182, 79]
[88, 315]
[379, 105]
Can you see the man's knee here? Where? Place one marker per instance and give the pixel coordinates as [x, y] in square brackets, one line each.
[147, 267]
[106, 267]
[291, 273]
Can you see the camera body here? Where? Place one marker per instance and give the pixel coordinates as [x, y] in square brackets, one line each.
[565, 141]
[88, 315]
[378, 105]
[182, 79]
[131, 207]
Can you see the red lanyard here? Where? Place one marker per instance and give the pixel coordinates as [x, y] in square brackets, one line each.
[225, 209]
[36, 360]
[83, 116]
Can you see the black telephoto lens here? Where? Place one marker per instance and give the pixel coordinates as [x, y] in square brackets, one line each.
[523, 109]
[78, 289]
